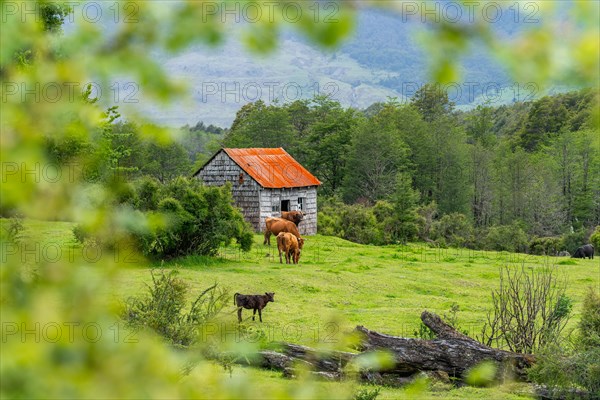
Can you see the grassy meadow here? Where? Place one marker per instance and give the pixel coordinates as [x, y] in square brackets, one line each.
[336, 286]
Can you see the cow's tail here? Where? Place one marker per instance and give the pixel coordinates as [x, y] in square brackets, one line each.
[235, 298]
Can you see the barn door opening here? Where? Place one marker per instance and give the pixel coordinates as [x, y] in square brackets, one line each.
[285, 205]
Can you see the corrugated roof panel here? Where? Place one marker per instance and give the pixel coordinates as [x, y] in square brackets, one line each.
[272, 168]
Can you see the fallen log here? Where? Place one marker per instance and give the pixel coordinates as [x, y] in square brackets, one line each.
[450, 354]
[451, 351]
[326, 364]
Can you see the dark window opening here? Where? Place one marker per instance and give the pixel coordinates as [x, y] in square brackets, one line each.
[301, 203]
[285, 205]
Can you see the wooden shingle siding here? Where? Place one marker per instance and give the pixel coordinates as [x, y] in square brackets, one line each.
[220, 170]
[271, 197]
[255, 201]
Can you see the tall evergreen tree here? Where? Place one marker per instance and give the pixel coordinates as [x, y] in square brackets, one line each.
[378, 154]
[432, 102]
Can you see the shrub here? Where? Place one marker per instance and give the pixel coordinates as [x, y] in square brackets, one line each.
[506, 238]
[80, 233]
[161, 310]
[424, 332]
[572, 241]
[595, 238]
[426, 214]
[366, 394]
[359, 225]
[545, 245]
[147, 192]
[197, 219]
[454, 229]
[396, 223]
[124, 192]
[565, 368]
[15, 227]
[530, 310]
[383, 211]
[356, 223]
[589, 325]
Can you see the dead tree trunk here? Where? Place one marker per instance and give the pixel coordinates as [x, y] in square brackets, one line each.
[451, 351]
[328, 365]
[451, 354]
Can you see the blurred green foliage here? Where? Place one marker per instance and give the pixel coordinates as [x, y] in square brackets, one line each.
[60, 333]
[483, 374]
[163, 309]
[574, 364]
[181, 217]
[595, 238]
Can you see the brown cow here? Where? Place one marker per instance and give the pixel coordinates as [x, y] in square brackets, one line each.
[255, 302]
[295, 216]
[290, 246]
[276, 225]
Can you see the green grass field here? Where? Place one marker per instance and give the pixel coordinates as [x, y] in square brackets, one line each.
[338, 285]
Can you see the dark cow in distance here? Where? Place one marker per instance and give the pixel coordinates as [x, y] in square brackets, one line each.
[289, 245]
[585, 251]
[276, 225]
[295, 216]
[252, 301]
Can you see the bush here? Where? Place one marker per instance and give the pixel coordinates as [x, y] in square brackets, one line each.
[384, 214]
[356, 223]
[530, 310]
[396, 224]
[545, 245]
[161, 310]
[595, 238]
[506, 238]
[124, 192]
[589, 325]
[453, 229]
[80, 233]
[572, 241]
[426, 214]
[564, 368]
[15, 227]
[359, 225]
[383, 223]
[147, 192]
[197, 219]
[366, 394]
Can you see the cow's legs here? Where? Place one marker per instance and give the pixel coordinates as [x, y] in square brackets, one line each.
[239, 314]
[260, 315]
[254, 313]
[280, 260]
[267, 237]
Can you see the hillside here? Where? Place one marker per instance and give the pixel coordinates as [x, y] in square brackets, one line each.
[383, 57]
[336, 286]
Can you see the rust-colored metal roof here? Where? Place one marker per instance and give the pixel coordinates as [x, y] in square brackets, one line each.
[272, 168]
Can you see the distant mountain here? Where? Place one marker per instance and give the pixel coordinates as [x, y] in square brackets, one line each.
[383, 58]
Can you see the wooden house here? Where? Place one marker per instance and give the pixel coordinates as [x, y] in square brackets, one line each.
[265, 182]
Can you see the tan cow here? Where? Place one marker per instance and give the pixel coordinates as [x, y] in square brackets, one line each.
[290, 246]
[276, 225]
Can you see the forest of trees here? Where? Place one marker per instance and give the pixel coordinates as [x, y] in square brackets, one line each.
[533, 168]
[492, 177]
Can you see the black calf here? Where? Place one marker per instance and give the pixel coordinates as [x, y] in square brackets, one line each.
[252, 301]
